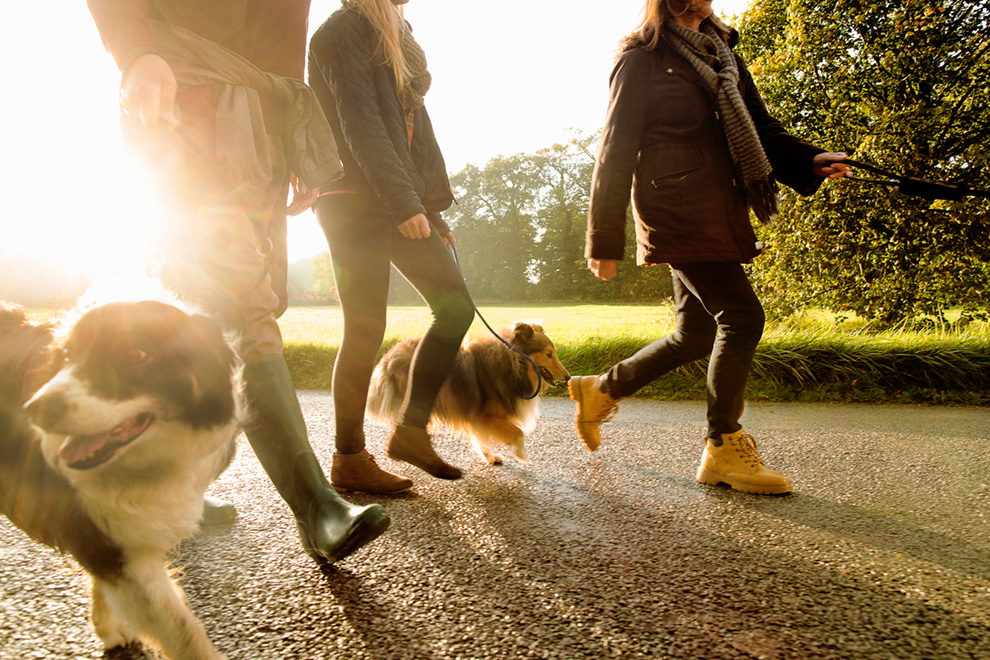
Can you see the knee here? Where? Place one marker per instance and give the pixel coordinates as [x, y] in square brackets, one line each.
[693, 345]
[454, 315]
[745, 329]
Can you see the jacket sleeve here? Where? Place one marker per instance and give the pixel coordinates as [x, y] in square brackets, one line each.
[344, 55]
[123, 27]
[790, 157]
[611, 182]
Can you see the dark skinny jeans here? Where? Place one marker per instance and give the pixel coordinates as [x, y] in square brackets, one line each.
[718, 313]
[364, 242]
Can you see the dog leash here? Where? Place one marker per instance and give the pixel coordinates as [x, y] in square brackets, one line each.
[915, 187]
[536, 368]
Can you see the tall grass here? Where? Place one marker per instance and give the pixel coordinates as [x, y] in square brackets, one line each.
[814, 357]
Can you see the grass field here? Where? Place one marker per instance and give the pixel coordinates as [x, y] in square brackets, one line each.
[812, 358]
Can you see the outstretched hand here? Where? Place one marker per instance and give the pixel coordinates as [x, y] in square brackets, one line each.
[147, 93]
[827, 165]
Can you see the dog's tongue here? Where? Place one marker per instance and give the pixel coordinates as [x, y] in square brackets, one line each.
[90, 450]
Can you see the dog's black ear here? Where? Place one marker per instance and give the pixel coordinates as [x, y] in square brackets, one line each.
[212, 399]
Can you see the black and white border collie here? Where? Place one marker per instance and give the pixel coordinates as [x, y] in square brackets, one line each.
[109, 437]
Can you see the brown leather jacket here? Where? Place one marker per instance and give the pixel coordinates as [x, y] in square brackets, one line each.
[663, 140]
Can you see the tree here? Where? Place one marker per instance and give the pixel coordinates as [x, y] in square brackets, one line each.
[494, 228]
[900, 84]
[324, 286]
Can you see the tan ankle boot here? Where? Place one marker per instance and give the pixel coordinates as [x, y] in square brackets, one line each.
[359, 472]
[413, 446]
[594, 407]
[736, 463]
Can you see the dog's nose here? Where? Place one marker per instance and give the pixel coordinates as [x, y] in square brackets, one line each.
[45, 410]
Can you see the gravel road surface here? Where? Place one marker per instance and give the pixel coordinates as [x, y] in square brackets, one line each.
[882, 552]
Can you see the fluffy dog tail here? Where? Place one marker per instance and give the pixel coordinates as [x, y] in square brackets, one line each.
[389, 382]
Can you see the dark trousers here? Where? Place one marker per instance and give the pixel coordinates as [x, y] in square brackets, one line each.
[364, 242]
[718, 313]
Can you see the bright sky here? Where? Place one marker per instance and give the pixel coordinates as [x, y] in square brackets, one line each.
[510, 76]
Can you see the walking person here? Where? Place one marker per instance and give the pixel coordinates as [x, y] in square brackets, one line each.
[689, 135]
[371, 78]
[211, 93]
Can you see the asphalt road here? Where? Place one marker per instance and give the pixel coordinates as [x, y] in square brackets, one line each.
[883, 551]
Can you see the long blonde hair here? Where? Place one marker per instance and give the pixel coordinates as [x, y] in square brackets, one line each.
[654, 13]
[388, 22]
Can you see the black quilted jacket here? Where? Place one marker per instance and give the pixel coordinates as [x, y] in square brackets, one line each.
[357, 92]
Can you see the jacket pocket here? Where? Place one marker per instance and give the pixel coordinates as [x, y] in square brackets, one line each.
[667, 167]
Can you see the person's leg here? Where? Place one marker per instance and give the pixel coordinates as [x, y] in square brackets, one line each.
[218, 258]
[430, 268]
[692, 338]
[359, 235]
[730, 455]
[597, 396]
[428, 265]
[726, 293]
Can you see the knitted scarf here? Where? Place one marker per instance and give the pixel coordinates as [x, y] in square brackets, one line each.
[711, 57]
[418, 83]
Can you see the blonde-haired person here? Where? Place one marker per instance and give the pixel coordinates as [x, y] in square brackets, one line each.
[689, 135]
[370, 76]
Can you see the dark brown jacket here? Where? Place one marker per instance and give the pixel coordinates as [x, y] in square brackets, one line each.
[663, 140]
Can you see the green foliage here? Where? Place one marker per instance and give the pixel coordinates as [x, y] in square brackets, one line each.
[900, 84]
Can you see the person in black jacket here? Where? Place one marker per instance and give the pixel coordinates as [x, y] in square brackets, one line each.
[370, 76]
[688, 133]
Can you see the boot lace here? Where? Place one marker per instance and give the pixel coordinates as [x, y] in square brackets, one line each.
[745, 446]
[607, 413]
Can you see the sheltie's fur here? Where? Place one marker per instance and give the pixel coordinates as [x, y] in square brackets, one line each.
[108, 441]
[483, 397]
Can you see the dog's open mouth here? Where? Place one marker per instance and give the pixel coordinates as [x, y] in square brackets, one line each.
[547, 377]
[84, 452]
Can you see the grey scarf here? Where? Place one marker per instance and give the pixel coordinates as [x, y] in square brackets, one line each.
[704, 50]
[418, 84]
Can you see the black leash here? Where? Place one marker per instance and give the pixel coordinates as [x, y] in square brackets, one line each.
[915, 187]
[536, 368]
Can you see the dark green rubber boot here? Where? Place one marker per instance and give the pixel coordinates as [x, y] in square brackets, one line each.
[330, 528]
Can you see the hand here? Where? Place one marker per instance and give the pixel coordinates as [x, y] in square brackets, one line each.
[302, 197]
[147, 93]
[828, 165]
[415, 227]
[449, 239]
[603, 269]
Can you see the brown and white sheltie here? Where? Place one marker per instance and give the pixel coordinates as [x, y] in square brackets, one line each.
[483, 397]
[109, 438]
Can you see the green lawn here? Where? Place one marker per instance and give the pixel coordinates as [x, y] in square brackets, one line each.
[812, 358]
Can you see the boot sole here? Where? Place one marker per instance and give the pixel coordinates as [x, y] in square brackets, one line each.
[445, 471]
[372, 524]
[345, 489]
[714, 479]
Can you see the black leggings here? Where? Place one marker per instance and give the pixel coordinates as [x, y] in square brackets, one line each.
[364, 242]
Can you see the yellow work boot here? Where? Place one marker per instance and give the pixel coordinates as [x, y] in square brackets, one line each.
[736, 463]
[593, 407]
